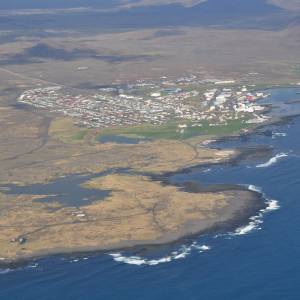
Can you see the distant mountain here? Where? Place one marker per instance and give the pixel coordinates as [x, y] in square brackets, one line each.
[259, 14]
[200, 6]
[47, 4]
[236, 7]
[287, 4]
[63, 4]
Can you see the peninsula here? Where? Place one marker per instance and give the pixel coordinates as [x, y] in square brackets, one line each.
[57, 141]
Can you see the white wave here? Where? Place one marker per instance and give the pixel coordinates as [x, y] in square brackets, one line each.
[272, 160]
[184, 251]
[181, 253]
[272, 205]
[4, 271]
[257, 220]
[254, 188]
[254, 221]
[253, 225]
[204, 248]
[75, 259]
[33, 266]
[278, 134]
[132, 260]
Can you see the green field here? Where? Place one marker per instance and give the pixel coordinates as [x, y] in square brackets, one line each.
[171, 130]
[79, 135]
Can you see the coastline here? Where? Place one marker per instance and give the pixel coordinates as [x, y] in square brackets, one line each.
[228, 219]
[235, 215]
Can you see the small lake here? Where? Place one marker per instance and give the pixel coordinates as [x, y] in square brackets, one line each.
[67, 191]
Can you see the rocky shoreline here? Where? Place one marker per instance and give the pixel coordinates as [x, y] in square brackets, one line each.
[236, 218]
[243, 204]
[236, 214]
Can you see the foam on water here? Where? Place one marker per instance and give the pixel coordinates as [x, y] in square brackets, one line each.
[181, 253]
[272, 160]
[4, 271]
[32, 266]
[18, 269]
[257, 220]
[184, 251]
[278, 134]
[254, 221]
[254, 188]
[75, 259]
[272, 205]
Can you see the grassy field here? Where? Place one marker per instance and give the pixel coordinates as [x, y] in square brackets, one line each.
[64, 130]
[172, 131]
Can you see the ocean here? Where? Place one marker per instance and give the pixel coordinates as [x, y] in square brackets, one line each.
[260, 260]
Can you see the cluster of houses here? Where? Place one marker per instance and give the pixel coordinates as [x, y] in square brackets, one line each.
[237, 100]
[158, 105]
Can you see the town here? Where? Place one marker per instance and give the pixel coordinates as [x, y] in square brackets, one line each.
[183, 99]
